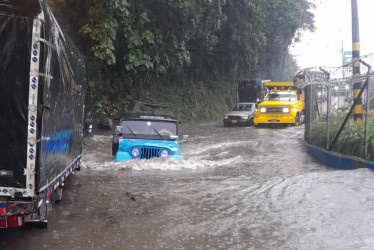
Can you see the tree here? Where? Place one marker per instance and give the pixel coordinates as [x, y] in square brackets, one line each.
[133, 44]
[283, 23]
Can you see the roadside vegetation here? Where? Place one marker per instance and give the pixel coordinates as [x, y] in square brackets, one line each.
[184, 56]
[351, 139]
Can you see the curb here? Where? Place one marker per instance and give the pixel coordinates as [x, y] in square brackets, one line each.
[336, 160]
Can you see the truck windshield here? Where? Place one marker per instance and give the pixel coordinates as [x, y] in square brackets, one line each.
[242, 107]
[282, 96]
[149, 129]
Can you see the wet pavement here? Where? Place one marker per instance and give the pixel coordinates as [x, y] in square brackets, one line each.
[235, 188]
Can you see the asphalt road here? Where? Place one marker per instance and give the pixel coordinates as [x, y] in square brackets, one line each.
[235, 188]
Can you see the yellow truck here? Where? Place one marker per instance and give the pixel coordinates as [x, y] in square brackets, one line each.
[283, 104]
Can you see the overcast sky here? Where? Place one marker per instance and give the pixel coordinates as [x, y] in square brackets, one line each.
[333, 31]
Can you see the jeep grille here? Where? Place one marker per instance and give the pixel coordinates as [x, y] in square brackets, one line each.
[149, 152]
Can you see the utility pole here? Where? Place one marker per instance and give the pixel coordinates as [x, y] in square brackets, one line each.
[343, 57]
[357, 112]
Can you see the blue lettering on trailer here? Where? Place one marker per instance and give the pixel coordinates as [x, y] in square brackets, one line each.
[59, 142]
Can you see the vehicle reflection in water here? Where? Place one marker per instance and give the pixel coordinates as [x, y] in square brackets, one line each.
[236, 188]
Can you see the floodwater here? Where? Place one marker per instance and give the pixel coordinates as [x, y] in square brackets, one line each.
[235, 188]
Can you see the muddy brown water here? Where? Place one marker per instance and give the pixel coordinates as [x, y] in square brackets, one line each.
[235, 188]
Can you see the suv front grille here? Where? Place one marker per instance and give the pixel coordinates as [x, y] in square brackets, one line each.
[149, 152]
[233, 117]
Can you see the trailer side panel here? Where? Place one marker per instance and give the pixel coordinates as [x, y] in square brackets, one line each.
[15, 43]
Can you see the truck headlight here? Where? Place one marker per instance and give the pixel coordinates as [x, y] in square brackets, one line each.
[135, 152]
[286, 110]
[245, 117]
[164, 153]
[262, 110]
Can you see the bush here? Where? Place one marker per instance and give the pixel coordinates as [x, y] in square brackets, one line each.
[351, 139]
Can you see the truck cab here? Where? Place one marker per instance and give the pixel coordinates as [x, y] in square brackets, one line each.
[283, 104]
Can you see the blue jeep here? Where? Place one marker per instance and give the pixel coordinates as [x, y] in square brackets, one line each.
[144, 136]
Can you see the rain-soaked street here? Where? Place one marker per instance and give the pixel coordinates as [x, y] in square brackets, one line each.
[236, 188]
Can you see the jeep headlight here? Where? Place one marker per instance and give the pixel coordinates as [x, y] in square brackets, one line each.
[262, 110]
[286, 110]
[164, 153]
[135, 152]
[245, 117]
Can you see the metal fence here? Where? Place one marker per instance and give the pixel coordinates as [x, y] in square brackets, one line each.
[330, 105]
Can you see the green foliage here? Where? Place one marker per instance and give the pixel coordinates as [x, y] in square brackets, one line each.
[85, 141]
[144, 35]
[242, 38]
[282, 26]
[136, 44]
[102, 30]
[351, 139]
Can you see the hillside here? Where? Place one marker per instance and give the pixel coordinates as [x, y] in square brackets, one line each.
[182, 56]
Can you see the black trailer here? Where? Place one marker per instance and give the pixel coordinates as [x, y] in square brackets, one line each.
[251, 91]
[41, 111]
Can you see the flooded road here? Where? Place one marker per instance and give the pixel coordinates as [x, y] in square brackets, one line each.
[235, 188]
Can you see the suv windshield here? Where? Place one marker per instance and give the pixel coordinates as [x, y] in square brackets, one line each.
[149, 129]
[282, 96]
[242, 107]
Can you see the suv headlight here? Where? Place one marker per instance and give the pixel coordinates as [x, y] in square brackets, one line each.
[226, 117]
[164, 153]
[135, 152]
[245, 117]
[262, 110]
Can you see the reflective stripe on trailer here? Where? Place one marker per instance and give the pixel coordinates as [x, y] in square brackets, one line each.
[33, 106]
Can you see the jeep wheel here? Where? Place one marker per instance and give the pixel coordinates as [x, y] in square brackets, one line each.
[114, 148]
[115, 144]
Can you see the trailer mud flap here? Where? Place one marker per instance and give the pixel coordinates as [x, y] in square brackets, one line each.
[3, 222]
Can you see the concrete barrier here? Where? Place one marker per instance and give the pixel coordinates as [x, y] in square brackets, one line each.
[337, 160]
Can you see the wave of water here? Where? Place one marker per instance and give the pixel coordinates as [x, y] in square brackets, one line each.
[199, 155]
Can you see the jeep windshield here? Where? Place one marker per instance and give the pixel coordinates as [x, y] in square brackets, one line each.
[282, 96]
[149, 129]
[242, 107]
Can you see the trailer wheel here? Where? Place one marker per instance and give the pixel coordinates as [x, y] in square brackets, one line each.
[58, 194]
[44, 214]
[40, 218]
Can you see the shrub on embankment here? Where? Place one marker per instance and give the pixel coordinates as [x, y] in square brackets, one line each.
[350, 141]
[189, 102]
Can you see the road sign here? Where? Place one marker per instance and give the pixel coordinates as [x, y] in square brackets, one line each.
[347, 57]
